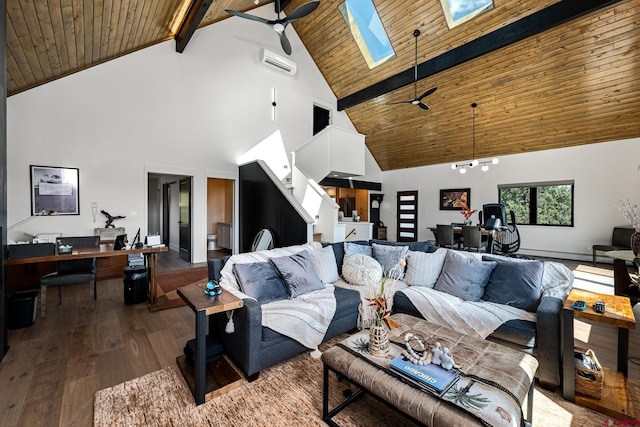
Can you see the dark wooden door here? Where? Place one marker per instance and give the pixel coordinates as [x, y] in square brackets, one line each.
[185, 219]
[407, 216]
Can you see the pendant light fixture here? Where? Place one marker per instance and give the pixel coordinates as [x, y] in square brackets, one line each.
[462, 167]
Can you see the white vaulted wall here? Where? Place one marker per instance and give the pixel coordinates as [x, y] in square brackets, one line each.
[603, 174]
[159, 111]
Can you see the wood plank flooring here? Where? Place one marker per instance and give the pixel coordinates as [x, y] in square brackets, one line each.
[54, 367]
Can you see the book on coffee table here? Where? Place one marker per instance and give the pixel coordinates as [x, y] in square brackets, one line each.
[431, 378]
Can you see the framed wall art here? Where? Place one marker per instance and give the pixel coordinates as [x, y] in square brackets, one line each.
[54, 191]
[455, 200]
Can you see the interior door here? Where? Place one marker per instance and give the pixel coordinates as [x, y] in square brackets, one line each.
[185, 218]
[166, 188]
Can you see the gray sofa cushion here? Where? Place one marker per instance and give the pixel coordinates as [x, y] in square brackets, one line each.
[464, 277]
[515, 283]
[260, 280]
[388, 257]
[423, 269]
[352, 248]
[297, 273]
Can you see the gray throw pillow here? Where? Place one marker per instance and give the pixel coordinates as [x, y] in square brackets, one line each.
[515, 283]
[356, 248]
[297, 273]
[260, 280]
[464, 277]
[388, 257]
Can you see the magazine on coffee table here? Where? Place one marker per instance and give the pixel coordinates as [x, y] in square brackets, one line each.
[430, 377]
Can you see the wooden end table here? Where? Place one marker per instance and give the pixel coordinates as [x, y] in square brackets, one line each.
[615, 400]
[207, 380]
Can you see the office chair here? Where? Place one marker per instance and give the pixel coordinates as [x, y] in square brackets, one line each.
[506, 240]
[445, 237]
[472, 238]
[70, 272]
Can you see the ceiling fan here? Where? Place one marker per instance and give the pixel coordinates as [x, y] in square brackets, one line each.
[280, 24]
[417, 100]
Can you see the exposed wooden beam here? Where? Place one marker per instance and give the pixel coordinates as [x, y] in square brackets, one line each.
[536, 23]
[190, 23]
[351, 183]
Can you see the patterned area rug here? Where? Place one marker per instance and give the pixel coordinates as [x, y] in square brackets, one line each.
[288, 394]
[168, 283]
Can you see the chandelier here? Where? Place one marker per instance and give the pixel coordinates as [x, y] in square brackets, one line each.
[462, 167]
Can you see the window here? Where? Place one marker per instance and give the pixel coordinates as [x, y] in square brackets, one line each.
[367, 30]
[547, 203]
[459, 11]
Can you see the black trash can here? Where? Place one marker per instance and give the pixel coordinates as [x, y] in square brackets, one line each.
[21, 309]
[135, 284]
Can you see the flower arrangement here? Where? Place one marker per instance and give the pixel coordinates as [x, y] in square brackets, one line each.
[382, 310]
[631, 213]
[466, 212]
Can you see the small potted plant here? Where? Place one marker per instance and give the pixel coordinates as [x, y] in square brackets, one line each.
[378, 333]
[467, 213]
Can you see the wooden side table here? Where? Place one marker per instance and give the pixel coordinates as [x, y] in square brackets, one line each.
[615, 400]
[207, 380]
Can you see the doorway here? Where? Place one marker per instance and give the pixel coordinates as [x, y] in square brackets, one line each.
[219, 217]
[169, 211]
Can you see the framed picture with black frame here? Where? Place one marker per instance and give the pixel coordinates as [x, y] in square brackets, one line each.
[54, 191]
[455, 199]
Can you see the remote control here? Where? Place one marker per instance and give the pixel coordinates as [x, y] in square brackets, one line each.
[599, 307]
[579, 305]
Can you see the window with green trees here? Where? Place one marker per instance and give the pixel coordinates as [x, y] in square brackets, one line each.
[548, 203]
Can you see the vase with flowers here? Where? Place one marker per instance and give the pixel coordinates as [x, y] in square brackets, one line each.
[467, 213]
[632, 214]
[378, 332]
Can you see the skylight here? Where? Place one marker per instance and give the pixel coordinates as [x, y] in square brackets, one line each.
[367, 30]
[459, 11]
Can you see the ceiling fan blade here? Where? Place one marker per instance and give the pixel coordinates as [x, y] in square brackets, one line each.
[427, 93]
[303, 11]
[284, 41]
[423, 106]
[247, 16]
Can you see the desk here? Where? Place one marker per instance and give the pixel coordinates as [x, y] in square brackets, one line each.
[205, 381]
[104, 251]
[615, 400]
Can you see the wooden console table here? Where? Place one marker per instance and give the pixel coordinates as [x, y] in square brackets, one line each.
[207, 381]
[105, 251]
[615, 400]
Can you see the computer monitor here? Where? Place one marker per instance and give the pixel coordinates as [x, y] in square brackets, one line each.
[120, 242]
[494, 216]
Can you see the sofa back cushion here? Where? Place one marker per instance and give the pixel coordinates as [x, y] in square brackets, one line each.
[297, 273]
[353, 248]
[464, 277]
[260, 280]
[324, 264]
[423, 269]
[425, 246]
[515, 283]
[361, 270]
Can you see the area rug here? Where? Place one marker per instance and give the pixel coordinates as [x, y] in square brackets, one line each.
[288, 394]
[168, 282]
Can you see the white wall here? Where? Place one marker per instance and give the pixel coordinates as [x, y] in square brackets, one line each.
[603, 174]
[157, 111]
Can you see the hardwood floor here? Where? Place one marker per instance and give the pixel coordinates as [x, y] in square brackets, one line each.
[54, 367]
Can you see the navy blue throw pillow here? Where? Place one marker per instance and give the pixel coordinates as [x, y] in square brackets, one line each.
[516, 283]
[260, 280]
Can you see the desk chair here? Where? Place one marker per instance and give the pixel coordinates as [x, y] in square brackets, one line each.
[70, 272]
[472, 238]
[445, 237]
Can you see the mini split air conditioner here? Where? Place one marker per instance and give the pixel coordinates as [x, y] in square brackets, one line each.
[274, 60]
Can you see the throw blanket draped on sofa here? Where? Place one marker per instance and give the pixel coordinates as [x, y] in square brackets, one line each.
[479, 319]
[305, 318]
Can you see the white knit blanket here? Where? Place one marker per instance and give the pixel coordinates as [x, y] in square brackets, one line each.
[305, 318]
[479, 319]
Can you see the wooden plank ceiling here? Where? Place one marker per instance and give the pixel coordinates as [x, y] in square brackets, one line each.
[578, 83]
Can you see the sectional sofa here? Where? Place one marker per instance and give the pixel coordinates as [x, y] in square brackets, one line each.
[440, 285]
